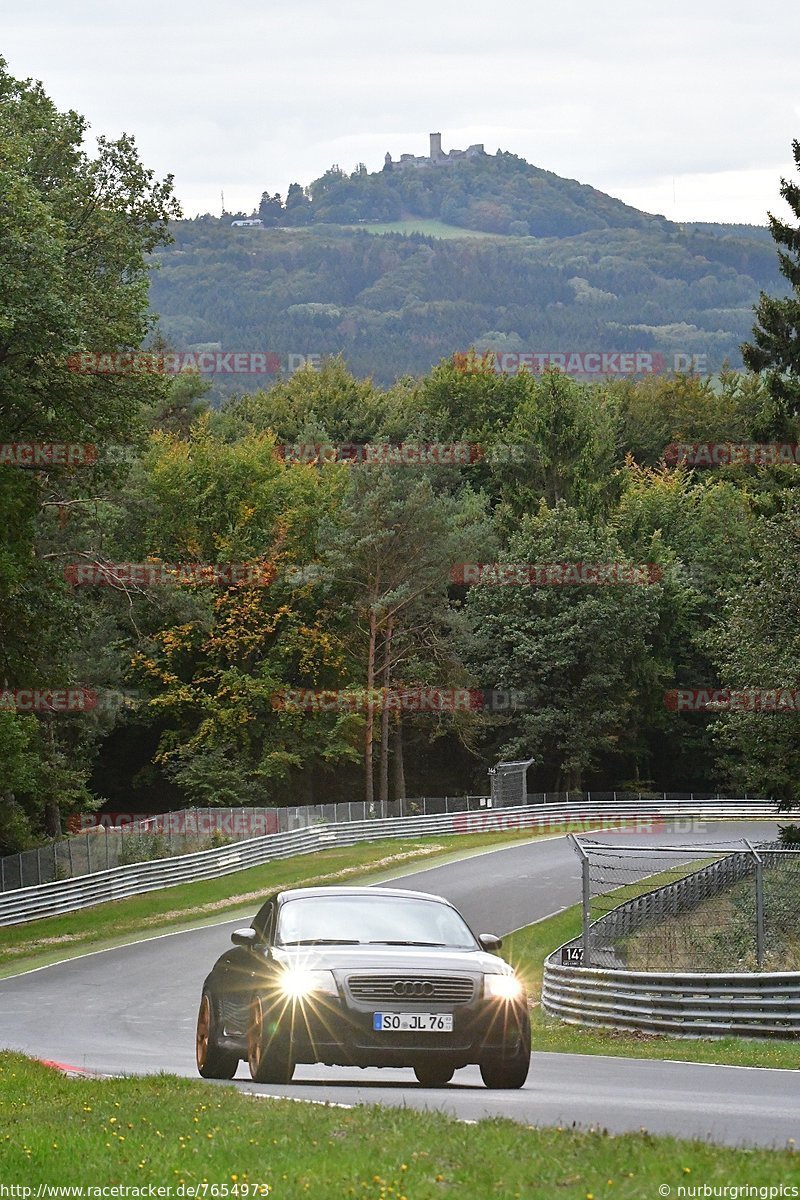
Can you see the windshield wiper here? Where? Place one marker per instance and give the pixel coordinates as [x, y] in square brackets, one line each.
[322, 942]
[386, 942]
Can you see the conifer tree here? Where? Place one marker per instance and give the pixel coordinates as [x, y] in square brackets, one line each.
[776, 336]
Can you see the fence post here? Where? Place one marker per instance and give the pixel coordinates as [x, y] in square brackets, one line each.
[69, 856]
[55, 861]
[38, 865]
[585, 900]
[107, 850]
[2, 874]
[759, 902]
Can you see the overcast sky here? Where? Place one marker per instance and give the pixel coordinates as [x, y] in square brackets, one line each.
[686, 107]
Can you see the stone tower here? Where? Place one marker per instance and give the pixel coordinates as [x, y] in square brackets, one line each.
[436, 147]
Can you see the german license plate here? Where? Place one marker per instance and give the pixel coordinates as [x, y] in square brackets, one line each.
[384, 1022]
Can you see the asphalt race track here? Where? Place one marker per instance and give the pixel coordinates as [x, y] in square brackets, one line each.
[132, 1010]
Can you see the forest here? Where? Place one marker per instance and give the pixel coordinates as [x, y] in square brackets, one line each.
[394, 303]
[194, 558]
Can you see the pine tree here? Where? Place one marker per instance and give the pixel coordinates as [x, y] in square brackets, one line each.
[776, 336]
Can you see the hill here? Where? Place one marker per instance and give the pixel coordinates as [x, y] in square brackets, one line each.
[509, 257]
[492, 193]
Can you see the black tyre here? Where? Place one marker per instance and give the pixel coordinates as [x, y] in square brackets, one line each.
[434, 1074]
[512, 1071]
[212, 1061]
[269, 1056]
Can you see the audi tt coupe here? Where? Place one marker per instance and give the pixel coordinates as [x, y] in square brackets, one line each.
[367, 977]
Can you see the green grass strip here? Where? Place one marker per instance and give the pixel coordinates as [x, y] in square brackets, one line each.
[181, 1133]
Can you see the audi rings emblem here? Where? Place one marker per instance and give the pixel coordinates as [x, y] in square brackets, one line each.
[413, 987]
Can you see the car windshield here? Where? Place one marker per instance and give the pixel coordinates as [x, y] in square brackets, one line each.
[372, 920]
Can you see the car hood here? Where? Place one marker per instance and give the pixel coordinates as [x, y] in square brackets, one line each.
[392, 958]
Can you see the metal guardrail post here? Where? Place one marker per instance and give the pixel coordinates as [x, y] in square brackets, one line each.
[759, 902]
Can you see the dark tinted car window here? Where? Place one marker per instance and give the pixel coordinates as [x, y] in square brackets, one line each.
[372, 919]
[264, 920]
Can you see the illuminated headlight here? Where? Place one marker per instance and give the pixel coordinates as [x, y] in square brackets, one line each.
[297, 983]
[502, 987]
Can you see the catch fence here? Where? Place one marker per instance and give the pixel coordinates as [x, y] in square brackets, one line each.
[712, 907]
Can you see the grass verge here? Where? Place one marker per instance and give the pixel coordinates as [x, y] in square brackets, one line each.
[168, 1132]
[527, 948]
[23, 947]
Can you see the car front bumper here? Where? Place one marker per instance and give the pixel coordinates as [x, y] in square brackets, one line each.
[328, 1031]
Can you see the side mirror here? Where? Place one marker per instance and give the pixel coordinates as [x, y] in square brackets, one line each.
[244, 937]
[490, 941]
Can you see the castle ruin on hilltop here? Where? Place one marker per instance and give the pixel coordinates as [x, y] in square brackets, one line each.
[437, 156]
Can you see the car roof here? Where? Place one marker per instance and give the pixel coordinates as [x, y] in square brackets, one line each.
[362, 892]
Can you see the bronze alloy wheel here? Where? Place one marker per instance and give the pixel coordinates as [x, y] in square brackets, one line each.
[212, 1061]
[203, 1029]
[269, 1057]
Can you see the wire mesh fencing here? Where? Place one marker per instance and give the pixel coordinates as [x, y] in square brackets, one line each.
[119, 839]
[714, 907]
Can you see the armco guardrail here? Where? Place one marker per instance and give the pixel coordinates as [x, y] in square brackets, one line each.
[68, 895]
[687, 1004]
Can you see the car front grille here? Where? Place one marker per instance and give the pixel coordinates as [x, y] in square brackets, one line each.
[394, 989]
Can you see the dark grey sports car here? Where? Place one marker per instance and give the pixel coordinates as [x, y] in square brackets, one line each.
[367, 977]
